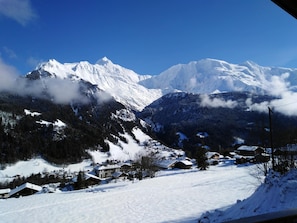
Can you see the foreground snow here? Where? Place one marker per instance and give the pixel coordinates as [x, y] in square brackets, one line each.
[278, 193]
[173, 196]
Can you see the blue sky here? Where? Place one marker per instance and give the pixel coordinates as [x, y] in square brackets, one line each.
[147, 36]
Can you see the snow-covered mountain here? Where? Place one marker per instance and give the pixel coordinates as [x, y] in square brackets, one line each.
[210, 75]
[118, 81]
[204, 76]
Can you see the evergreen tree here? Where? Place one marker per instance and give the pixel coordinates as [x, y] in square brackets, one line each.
[80, 183]
[201, 158]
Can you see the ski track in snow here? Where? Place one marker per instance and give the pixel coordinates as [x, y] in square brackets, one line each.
[172, 196]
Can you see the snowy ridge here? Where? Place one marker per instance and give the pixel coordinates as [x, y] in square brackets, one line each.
[213, 76]
[199, 77]
[118, 81]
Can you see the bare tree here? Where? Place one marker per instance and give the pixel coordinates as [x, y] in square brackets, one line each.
[146, 165]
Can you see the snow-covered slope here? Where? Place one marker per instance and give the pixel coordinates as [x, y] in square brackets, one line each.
[120, 151]
[211, 75]
[172, 196]
[277, 193]
[118, 81]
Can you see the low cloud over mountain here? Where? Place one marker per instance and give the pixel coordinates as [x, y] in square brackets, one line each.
[136, 91]
[60, 91]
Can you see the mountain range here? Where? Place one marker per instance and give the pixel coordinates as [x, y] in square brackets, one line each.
[205, 76]
[119, 82]
[99, 103]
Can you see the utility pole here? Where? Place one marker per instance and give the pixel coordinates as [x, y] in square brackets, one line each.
[271, 142]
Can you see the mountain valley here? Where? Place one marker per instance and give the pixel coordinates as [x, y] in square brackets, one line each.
[227, 102]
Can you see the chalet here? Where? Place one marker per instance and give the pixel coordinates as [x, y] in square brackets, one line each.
[249, 150]
[25, 190]
[91, 179]
[174, 163]
[213, 157]
[106, 171]
[126, 167]
[4, 193]
[289, 150]
[183, 164]
[166, 163]
[87, 176]
[252, 154]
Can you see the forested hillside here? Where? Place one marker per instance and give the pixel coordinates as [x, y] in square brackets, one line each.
[220, 121]
[59, 133]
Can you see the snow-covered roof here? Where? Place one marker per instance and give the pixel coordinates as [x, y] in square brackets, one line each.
[166, 163]
[5, 191]
[128, 164]
[88, 176]
[210, 154]
[108, 167]
[248, 148]
[23, 186]
[186, 162]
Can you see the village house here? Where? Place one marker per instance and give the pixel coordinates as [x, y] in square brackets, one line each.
[25, 190]
[126, 167]
[174, 163]
[106, 171]
[249, 150]
[166, 163]
[253, 154]
[213, 157]
[183, 164]
[4, 193]
[91, 179]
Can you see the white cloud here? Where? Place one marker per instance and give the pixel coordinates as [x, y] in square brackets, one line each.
[206, 101]
[64, 91]
[60, 91]
[192, 83]
[287, 104]
[260, 107]
[18, 10]
[286, 100]
[8, 76]
[277, 85]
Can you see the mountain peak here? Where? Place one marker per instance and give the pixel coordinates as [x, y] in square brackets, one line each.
[49, 63]
[104, 61]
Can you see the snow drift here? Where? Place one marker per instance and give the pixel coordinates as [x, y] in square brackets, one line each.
[277, 193]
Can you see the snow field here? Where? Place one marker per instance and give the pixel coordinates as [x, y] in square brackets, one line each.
[172, 196]
[278, 193]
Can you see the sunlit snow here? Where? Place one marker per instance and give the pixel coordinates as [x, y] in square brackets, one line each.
[172, 196]
[28, 112]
